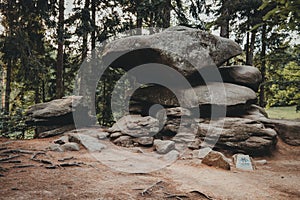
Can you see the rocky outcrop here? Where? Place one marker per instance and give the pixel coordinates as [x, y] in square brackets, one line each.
[183, 119]
[287, 130]
[239, 135]
[195, 55]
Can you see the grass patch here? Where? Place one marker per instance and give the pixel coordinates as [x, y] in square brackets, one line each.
[288, 112]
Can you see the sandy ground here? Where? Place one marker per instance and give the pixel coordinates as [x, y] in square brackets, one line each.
[184, 179]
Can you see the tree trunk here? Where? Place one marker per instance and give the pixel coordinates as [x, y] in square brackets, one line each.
[139, 18]
[2, 91]
[247, 43]
[94, 24]
[83, 88]
[225, 24]
[37, 94]
[262, 102]
[251, 48]
[85, 34]
[247, 47]
[43, 91]
[94, 37]
[60, 52]
[166, 14]
[7, 87]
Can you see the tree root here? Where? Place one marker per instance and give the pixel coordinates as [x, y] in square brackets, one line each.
[202, 194]
[8, 158]
[22, 166]
[17, 151]
[148, 189]
[64, 159]
[177, 196]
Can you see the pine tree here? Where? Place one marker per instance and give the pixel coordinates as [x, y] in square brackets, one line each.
[60, 50]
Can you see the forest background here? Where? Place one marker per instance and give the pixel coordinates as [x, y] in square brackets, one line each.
[44, 42]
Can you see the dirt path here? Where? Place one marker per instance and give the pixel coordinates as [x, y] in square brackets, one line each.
[279, 179]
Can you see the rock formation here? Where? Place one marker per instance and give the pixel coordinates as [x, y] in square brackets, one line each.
[55, 117]
[217, 111]
[198, 56]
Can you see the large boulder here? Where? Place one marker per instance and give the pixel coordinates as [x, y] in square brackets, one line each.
[239, 135]
[164, 146]
[56, 112]
[216, 159]
[184, 49]
[242, 75]
[56, 117]
[136, 126]
[232, 97]
[53, 109]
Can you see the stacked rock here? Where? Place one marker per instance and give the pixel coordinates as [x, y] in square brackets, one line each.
[223, 93]
[56, 117]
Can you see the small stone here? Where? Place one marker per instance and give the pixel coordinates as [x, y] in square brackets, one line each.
[96, 133]
[115, 135]
[261, 162]
[62, 140]
[203, 152]
[194, 145]
[56, 147]
[216, 159]
[102, 135]
[172, 155]
[124, 141]
[178, 112]
[164, 146]
[89, 142]
[135, 144]
[145, 141]
[137, 150]
[70, 146]
[195, 153]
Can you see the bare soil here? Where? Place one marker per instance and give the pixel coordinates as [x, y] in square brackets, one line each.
[184, 179]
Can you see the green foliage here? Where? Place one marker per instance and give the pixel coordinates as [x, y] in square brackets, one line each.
[13, 126]
[283, 79]
[286, 11]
